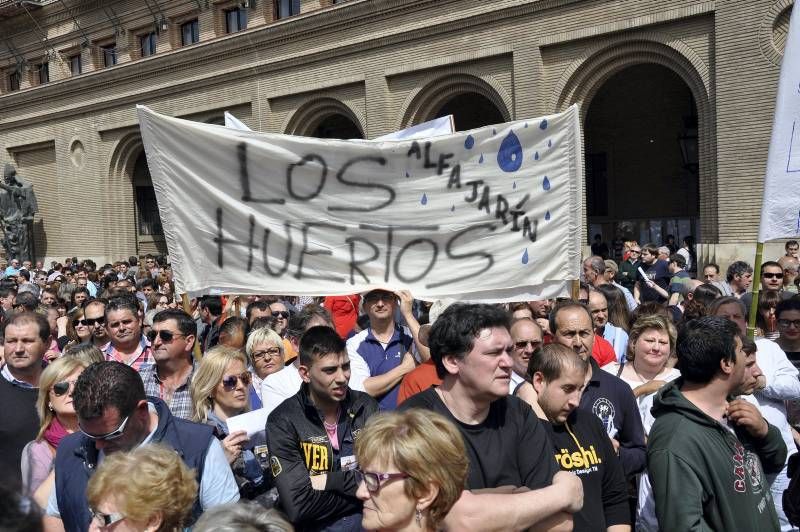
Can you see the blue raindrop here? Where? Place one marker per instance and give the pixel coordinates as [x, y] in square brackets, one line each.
[536, 156]
[494, 132]
[514, 185]
[469, 142]
[509, 157]
[543, 124]
[481, 159]
[407, 174]
[452, 208]
[546, 183]
[526, 125]
[525, 256]
[549, 143]
[547, 216]
[424, 199]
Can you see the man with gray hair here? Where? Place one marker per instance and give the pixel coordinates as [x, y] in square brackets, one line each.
[594, 269]
[739, 277]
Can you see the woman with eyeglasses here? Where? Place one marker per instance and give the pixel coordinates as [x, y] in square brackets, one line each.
[157, 301]
[412, 470]
[57, 419]
[148, 489]
[220, 391]
[264, 347]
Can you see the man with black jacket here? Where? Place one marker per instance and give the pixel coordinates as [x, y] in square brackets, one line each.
[580, 444]
[312, 435]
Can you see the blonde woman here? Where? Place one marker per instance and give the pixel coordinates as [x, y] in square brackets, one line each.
[412, 469]
[57, 419]
[264, 347]
[220, 391]
[149, 489]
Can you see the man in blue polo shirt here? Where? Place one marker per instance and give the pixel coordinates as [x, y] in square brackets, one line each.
[383, 353]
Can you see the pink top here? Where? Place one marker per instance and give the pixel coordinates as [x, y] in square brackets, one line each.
[38, 459]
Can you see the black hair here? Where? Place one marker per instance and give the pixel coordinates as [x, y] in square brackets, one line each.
[319, 341]
[551, 359]
[107, 384]
[771, 263]
[702, 344]
[147, 281]
[123, 302]
[739, 267]
[234, 324]
[186, 325]
[26, 300]
[455, 330]
[18, 512]
[793, 303]
[211, 303]
[259, 304]
[20, 318]
[564, 305]
[298, 323]
[678, 259]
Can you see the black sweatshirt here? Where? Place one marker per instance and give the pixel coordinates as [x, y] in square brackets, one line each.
[581, 446]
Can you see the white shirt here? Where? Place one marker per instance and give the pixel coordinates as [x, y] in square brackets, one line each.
[280, 386]
[515, 381]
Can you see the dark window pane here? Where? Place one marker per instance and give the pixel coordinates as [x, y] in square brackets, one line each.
[147, 207]
[13, 81]
[147, 44]
[596, 184]
[109, 55]
[190, 32]
[287, 8]
[44, 73]
[75, 65]
[235, 20]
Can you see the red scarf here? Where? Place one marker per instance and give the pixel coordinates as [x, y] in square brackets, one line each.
[55, 432]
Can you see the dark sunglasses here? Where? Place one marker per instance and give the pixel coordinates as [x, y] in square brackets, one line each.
[165, 335]
[105, 520]
[60, 388]
[282, 314]
[522, 344]
[229, 383]
[374, 481]
[113, 435]
[89, 321]
[772, 275]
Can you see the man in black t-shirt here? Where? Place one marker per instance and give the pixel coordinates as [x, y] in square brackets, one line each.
[656, 275]
[518, 484]
[580, 443]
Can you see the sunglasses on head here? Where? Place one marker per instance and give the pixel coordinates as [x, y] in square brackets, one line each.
[229, 383]
[165, 335]
[60, 388]
[113, 435]
[281, 314]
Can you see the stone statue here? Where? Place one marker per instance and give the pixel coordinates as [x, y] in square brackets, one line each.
[17, 207]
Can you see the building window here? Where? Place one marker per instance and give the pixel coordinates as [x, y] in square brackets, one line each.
[14, 80]
[286, 8]
[190, 32]
[43, 70]
[147, 44]
[147, 206]
[75, 64]
[109, 53]
[235, 20]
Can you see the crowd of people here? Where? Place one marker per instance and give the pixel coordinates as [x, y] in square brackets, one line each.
[639, 404]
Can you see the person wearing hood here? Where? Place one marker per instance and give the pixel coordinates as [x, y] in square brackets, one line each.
[709, 451]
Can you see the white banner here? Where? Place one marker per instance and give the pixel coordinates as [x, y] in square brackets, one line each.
[780, 211]
[488, 214]
[234, 123]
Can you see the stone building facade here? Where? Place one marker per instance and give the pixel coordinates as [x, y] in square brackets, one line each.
[677, 97]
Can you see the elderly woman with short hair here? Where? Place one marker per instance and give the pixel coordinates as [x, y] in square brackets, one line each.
[264, 348]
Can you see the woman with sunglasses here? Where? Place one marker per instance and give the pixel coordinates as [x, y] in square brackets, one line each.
[57, 419]
[78, 329]
[148, 489]
[412, 469]
[220, 391]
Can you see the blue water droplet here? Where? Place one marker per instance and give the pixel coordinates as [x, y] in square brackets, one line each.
[494, 132]
[543, 124]
[549, 143]
[424, 199]
[407, 174]
[546, 183]
[452, 208]
[536, 156]
[509, 157]
[514, 185]
[469, 142]
[481, 159]
[547, 216]
[525, 256]
[526, 125]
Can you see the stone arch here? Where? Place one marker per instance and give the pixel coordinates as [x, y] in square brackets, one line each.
[423, 102]
[123, 156]
[310, 114]
[586, 75]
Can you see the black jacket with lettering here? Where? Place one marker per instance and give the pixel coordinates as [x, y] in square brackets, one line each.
[299, 447]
